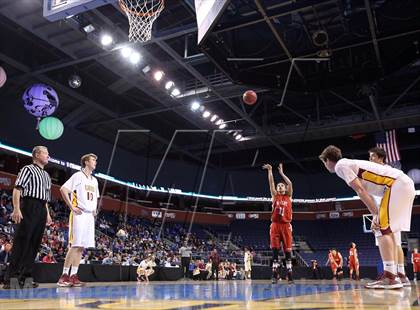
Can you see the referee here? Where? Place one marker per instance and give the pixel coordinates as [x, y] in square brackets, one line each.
[30, 213]
[185, 251]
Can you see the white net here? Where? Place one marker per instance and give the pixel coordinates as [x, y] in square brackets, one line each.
[141, 15]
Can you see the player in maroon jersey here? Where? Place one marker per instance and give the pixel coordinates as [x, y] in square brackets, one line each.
[281, 216]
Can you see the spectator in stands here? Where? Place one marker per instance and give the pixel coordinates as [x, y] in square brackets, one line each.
[109, 260]
[240, 274]
[49, 258]
[315, 269]
[196, 270]
[84, 260]
[191, 268]
[215, 261]
[202, 269]
[5, 249]
[3, 210]
[230, 270]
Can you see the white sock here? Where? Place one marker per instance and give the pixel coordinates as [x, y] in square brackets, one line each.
[400, 268]
[390, 267]
[289, 265]
[74, 270]
[66, 270]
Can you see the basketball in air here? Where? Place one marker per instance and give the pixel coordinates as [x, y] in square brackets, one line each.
[249, 97]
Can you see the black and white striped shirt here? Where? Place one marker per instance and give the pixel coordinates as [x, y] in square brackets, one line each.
[34, 182]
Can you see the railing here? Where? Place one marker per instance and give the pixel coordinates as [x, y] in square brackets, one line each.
[300, 260]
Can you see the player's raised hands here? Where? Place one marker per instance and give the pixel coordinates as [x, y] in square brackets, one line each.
[280, 167]
[267, 167]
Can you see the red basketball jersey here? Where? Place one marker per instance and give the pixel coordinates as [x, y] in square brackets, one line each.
[330, 258]
[416, 258]
[336, 258]
[282, 209]
[352, 254]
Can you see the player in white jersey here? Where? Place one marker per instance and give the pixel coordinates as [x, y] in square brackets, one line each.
[378, 155]
[394, 214]
[80, 193]
[145, 269]
[247, 263]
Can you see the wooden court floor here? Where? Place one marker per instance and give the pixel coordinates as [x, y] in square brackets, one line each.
[192, 295]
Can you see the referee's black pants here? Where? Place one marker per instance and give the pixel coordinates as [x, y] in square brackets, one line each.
[185, 263]
[27, 238]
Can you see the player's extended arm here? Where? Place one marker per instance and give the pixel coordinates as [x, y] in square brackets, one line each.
[269, 169]
[367, 199]
[341, 260]
[287, 180]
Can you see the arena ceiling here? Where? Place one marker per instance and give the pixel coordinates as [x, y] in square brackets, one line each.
[370, 82]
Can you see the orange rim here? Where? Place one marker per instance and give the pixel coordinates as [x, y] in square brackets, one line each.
[126, 9]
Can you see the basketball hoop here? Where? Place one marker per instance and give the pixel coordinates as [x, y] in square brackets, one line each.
[141, 15]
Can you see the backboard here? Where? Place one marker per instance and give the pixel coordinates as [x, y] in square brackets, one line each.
[367, 221]
[208, 13]
[54, 10]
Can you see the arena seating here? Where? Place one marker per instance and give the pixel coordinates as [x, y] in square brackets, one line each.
[320, 235]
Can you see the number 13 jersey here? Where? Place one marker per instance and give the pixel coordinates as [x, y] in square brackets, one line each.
[84, 191]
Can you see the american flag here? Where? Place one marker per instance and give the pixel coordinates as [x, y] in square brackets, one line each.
[388, 141]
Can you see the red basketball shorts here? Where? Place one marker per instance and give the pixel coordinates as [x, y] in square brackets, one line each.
[281, 233]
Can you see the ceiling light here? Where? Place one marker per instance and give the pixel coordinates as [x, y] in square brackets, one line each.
[213, 118]
[206, 114]
[126, 52]
[88, 28]
[135, 58]
[175, 92]
[106, 39]
[146, 69]
[238, 137]
[195, 105]
[219, 122]
[235, 133]
[169, 84]
[222, 126]
[158, 75]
